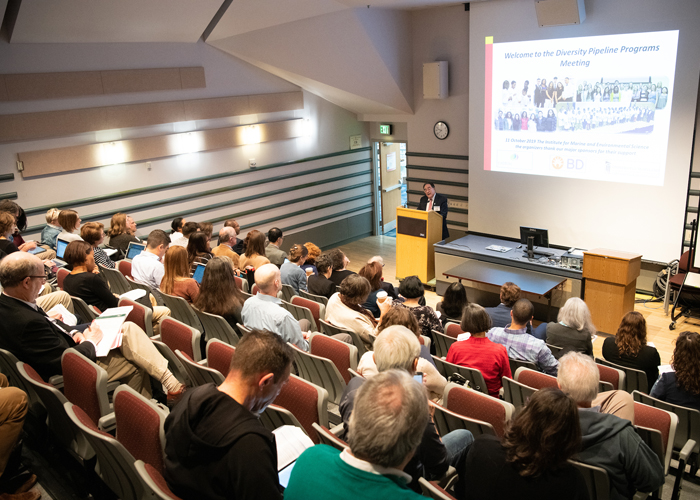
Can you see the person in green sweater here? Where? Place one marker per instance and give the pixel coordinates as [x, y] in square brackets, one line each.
[386, 427]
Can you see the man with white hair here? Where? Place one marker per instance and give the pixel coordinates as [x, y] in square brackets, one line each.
[398, 348]
[227, 238]
[608, 441]
[386, 428]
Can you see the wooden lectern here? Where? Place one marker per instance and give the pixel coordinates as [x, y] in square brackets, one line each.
[416, 233]
[610, 283]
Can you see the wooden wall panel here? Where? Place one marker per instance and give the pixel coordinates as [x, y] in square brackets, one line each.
[35, 86]
[268, 103]
[138, 115]
[68, 159]
[217, 107]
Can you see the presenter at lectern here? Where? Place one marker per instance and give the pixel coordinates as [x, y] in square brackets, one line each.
[436, 202]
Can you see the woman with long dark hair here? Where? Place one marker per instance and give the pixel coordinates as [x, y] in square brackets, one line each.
[122, 229]
[452, 303]
[682, 386]
[532, 459]
[219, 293]
[198, 250]
[254, 251]
[373, 273]
[629, 347]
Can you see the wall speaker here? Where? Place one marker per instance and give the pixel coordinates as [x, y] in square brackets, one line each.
[435, 80]
[560, 12]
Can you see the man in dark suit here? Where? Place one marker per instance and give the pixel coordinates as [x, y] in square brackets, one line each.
[321, 285]
[39, 340]
[239, 245]
[436, 202]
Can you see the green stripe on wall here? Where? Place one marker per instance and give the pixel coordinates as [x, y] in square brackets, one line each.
[8, 196]
[455, 223]
[439, 169]
[440, 183]
[7, 177]
[171, 185]
[437, 155]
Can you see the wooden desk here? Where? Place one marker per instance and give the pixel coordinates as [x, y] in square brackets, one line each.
[530, 282]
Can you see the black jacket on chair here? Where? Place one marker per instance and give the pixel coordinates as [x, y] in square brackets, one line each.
[441, 203]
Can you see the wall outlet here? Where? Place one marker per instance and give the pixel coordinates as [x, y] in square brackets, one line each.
[252, 163]
[148, 165]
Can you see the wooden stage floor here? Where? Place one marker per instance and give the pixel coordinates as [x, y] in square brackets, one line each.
[657, 323]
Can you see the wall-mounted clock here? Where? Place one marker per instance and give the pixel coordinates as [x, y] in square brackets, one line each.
[441, 130]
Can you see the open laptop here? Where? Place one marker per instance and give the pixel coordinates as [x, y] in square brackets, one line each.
[199, 273]
[134, 249]
[60, 251]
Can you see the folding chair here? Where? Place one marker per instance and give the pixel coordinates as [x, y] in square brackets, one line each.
[307, 402]
[635, 380]
[242, 284]
[219, 355]
[140, 315]
[354, 373]
[343, 356]
[243, 329]
[517, 363]
[124, 267]
[330, 330]
[320, 371]
[316, 298]
[478, 406]
[516, 393]
[442, 343]
[155, 293]
[140, 426]
[535, 379]
[155, 481]
[216, 327]
[318, 310]
[8, 366]
[177, 335]
[611, 379]
[596, 479]
[117, 281]
[453, 330]
[116, 464]
[424, 340]
[432, 489]
[287, 293]
[275, 416]
[473, 376]
[85, 384]
[447, 421]
[59, 424]
[299, 312]
[327, 437]
[181, 310]
[60, 276]
[84, 312]
[555, 350]
[174, 365]
[254, 289]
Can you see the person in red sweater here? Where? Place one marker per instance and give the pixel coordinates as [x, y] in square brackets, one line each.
[478, 352]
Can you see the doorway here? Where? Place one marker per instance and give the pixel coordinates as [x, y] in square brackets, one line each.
[390, 179]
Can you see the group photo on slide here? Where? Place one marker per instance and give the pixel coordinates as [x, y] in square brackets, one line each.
[556, 106]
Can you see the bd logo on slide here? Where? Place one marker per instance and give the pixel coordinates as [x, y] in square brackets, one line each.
[571, 163]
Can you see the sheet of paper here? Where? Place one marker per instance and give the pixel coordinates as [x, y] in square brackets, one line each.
[68, 317]
[110, 322]
[463, 336]
[291, 442]
[665, 368]
[134, 294]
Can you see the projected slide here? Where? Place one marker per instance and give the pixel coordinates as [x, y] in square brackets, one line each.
[587, 108]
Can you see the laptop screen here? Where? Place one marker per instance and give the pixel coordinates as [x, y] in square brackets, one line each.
[134, 249]
[285, 474]
[61, 247]
[199, 273]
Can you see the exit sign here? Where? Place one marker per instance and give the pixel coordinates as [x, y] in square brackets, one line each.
[385, 129]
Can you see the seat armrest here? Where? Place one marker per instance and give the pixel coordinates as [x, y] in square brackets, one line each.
[337, 430]
[202, 362]
[155, 337]
[686, 450]
[108, 422]
[56, 381]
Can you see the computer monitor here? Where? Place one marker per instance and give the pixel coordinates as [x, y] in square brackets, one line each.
[199, 273]
[134, 249]
[541, 238]
[61, 247]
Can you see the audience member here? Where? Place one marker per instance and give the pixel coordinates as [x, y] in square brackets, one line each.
[314, 252]
[176, 277]
[239, 245]
[344, 309]
[609, 441]
[532, 459]
[452, 303]
[500, 315]
[188, 229]
[227, 238]
[398, 348]
[411, 289]
[207, 228]
[340, 262]
[433, 381]
[52, 228]
[176, 225]
[579, 377]
[291, 271]
[28, 333]
[373, 273]
[479, 352]
[629, 347]
[264, 311]
[82, 282]
[519, 344]
[147, 267]
[94, 234]
[7, 227]
[386, 286]
[219, 293]
[320, 284]
[215, 446]
[69, 220]
[573, 331]
[198, 250]
[272, 250]
[122, 231]
[254, 251]
[682, 386]
[385, 431]
[43, 253]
